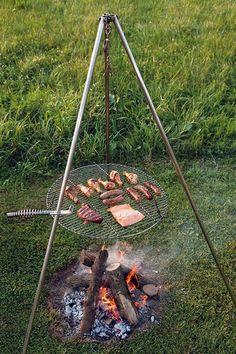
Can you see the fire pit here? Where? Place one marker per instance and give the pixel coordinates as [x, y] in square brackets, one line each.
[94, 305]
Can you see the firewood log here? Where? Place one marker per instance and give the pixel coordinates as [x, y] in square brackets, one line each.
[82, 279]
[93, 291]
[121, 294]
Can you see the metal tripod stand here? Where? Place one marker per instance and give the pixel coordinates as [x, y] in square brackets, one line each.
[104, 22]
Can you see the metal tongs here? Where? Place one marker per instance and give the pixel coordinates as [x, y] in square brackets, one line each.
[27, 213]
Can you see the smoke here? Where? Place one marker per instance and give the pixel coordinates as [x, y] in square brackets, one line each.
[147, 258]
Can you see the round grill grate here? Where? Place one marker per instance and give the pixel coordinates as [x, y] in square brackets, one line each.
[154, 210]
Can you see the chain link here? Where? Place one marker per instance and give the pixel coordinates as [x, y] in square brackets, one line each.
[106, 45]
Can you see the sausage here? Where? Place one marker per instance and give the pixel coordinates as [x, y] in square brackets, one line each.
[144, 190]
[111, 193]
[153, 187]
[134, 194]
[114, 201]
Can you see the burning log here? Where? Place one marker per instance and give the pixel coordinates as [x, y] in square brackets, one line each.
[93, 291]
[120, 293]
[87, 258]
[139, 278]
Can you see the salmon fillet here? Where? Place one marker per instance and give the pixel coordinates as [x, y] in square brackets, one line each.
[125, 215]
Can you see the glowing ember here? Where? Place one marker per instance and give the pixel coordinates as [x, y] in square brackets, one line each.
[142, 301]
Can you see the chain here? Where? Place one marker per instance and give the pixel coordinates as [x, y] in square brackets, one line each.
[106, 49]
[106, 46]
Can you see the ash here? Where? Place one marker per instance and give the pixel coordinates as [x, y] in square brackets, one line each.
[105, 325]
[74, 308]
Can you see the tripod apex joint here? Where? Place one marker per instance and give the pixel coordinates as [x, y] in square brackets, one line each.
[108, 17]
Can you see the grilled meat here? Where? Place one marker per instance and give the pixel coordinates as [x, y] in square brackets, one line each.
[134, 194]
[94, 184]
[85, 190]
[87, 214]
[111, 193]
[131, 177]
[144, 190]
[153, 187]
[125, 215]
[108, 185]
[115, 177]
[114, 201]
[71, 193]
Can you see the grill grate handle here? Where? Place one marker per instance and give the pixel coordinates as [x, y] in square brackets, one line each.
[28, 213]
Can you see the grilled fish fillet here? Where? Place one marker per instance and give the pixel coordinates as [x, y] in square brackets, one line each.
[125, 215]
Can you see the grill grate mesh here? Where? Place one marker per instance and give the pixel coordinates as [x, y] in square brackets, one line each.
[154, 210]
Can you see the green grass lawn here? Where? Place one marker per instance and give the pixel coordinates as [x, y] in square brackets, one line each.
[185, 50]
[198, 316]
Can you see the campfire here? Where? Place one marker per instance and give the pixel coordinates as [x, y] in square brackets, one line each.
[102, 296]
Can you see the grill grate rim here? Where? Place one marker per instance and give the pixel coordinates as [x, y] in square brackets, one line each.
[154, 210]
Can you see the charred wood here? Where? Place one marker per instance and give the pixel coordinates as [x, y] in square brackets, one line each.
[93, 292]
[82, 279]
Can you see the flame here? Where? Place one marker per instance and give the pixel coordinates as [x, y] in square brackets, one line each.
[108, 300]
[142, 298]
[132, 275]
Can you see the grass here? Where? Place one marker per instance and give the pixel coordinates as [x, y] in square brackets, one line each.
[185, 51]
[199, 315]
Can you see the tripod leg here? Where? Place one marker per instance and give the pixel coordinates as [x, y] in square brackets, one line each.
[173, 158]
[66, 174]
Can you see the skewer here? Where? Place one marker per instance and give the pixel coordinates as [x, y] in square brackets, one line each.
[101, 168]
